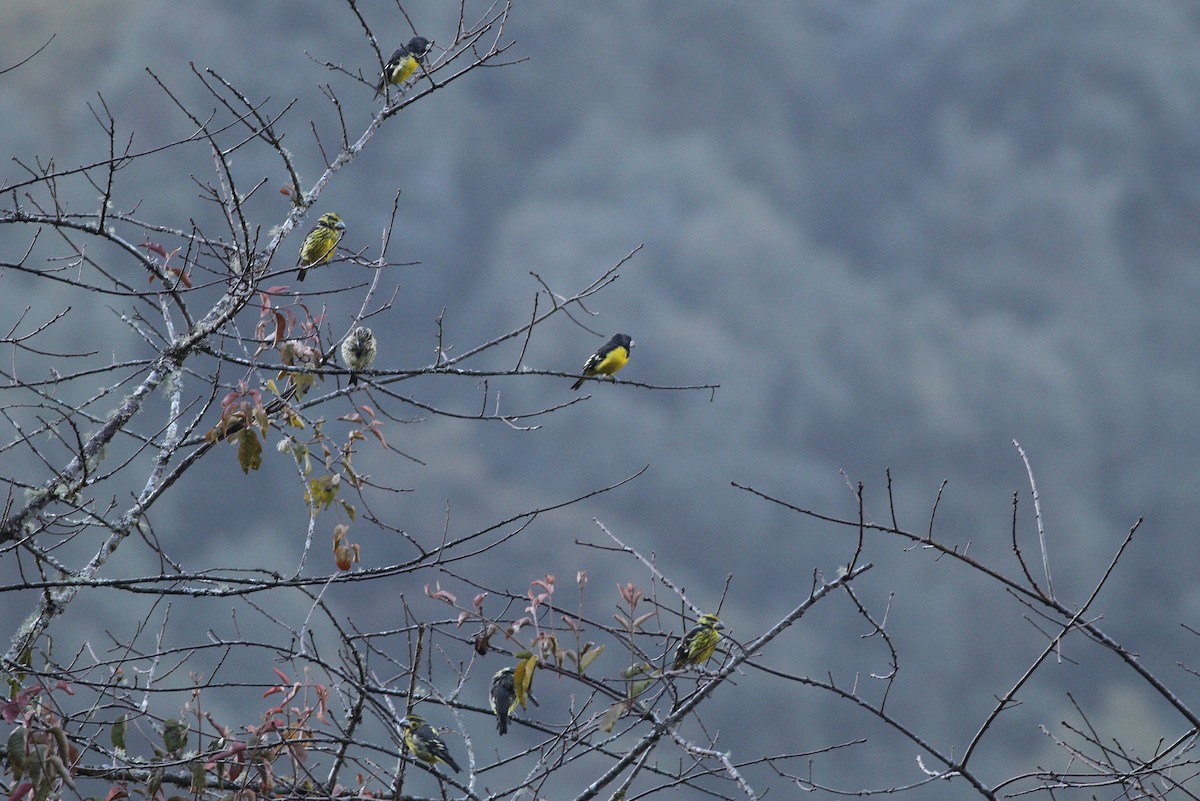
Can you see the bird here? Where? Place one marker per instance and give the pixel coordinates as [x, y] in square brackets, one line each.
[321, 242]
[698, 644]
[503, 697]
[404, 62]
[611, 357]
[424, 743]
[358, 351]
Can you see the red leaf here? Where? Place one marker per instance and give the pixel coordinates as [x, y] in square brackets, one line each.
[378, 435]
[440, 594]
[183, 276]
[236, 747]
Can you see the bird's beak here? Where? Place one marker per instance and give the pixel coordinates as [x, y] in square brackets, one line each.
[719, 626]
[341, 226]
[403, 722]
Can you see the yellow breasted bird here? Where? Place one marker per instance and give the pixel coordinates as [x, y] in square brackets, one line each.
[321, 242]
[611, 357]
[424, 743]
[698, 644]
[358, 351]
[503, 697]
[404, 62]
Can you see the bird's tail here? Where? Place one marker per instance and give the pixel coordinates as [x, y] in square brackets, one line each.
[449, 760]
[578, 383]
[300, 277]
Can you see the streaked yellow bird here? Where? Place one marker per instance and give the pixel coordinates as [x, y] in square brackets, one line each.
[424, 743]
[611, 357]
[698, 645]
[320, 243]
[404, 62]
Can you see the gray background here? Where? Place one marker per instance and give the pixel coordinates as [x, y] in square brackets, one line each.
[897, 235]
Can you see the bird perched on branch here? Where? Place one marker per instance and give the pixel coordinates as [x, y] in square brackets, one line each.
[404, 62]
[424, 743]
[503, 697]
[698, 644]
[611, 357]
[321, 242]
[358, 351]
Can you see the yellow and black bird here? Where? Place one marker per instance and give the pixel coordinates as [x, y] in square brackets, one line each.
[503, 697]
[698, 644]
[320, 243]
[358, 351]
[424, 743]
[611, 357]
[404, 62]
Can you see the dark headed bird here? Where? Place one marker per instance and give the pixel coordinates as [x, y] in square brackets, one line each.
[503, 697]
[611, 357]
[404, 62]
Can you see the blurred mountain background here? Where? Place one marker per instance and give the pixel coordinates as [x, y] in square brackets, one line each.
[898, 235]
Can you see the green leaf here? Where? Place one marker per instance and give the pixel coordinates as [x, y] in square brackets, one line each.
[523, 680]
[16, 752]
[197, 770]
[633, 670]
[249, 450]
[42, 789]
[608, 720]
[154, 782]
[117, 733]
[322, 491]
[589, 656]
[174, 736]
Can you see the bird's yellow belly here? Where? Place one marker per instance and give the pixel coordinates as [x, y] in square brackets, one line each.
[612, 362]
[404, 71]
